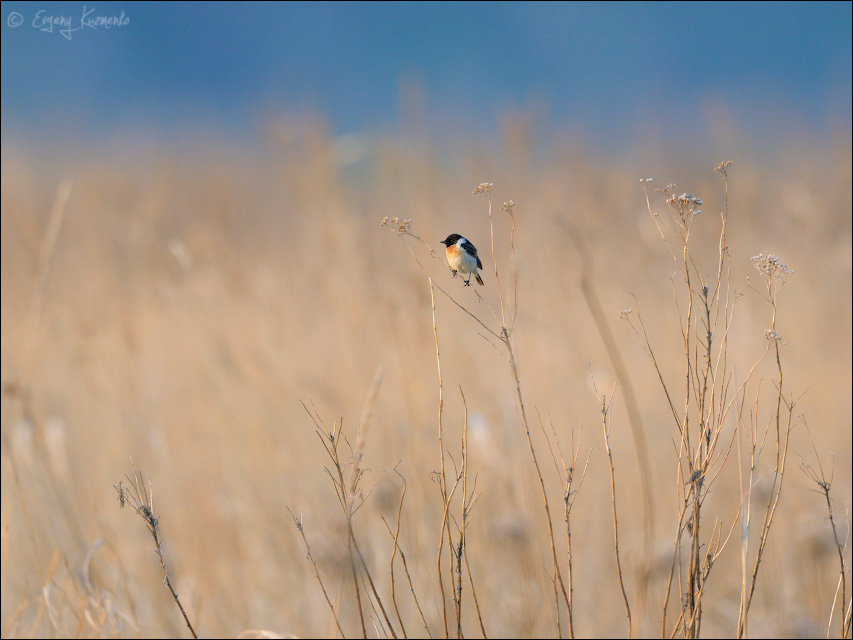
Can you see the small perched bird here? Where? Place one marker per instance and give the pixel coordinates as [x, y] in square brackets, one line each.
[462, 257]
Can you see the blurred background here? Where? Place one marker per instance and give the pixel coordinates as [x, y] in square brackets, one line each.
[191, 248]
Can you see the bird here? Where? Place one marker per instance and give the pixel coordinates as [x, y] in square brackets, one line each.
[462, 257]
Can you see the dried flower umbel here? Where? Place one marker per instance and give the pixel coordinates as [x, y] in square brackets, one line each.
[771, 336]
[685, 204]
[399, 226]
[771, 267]
[723, 167]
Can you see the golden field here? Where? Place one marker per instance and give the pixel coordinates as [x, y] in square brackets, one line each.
[184, 300]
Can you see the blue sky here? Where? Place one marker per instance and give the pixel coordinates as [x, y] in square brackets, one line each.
[604, 68]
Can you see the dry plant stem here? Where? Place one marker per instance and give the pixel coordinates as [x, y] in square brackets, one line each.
[695, 466]
[406, 569]
[396, 536]
[824, 485]
[508, 208]
[299, 527]
[494, 258]
[558, 576]
[443, 477]
[373, 587]
[506, 338]
[445, 526]
[142, 501]
[458, 553]
[693, 586]
[474, 594]
[569, 500]
[565, 507]
[746, 493]
[352, 543]
[569, 496]
[675, 554]
[756, 445]
[456, 576]
[461, 548]
[707, 385]
[774, 281]
[842, 578]
[355, 583]
[605, 409]
[714, 550]
[634, 416]
[342, 497]
[351, 500]
[770, 511]
[746, 503]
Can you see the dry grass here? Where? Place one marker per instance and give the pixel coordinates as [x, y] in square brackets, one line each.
[178, 306]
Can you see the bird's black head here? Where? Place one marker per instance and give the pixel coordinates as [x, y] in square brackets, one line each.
[452, 239]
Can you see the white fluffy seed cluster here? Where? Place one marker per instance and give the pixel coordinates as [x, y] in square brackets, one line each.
[684, 202]
[770, 266]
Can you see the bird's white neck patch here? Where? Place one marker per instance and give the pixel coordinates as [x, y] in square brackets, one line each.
[460, 242]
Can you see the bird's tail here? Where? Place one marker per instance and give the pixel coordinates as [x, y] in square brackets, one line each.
[479, 279]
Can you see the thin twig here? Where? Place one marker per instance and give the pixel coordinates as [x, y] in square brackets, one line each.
[607, 408]
[142, 502]
[299, 527]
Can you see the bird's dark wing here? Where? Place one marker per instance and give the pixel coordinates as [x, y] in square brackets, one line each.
[472, 251]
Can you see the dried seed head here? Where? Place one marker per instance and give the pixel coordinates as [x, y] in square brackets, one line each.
[723, 167]
[685, 205]
[772, 336]
[770, 266]
[684, 200]
[397, 225]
